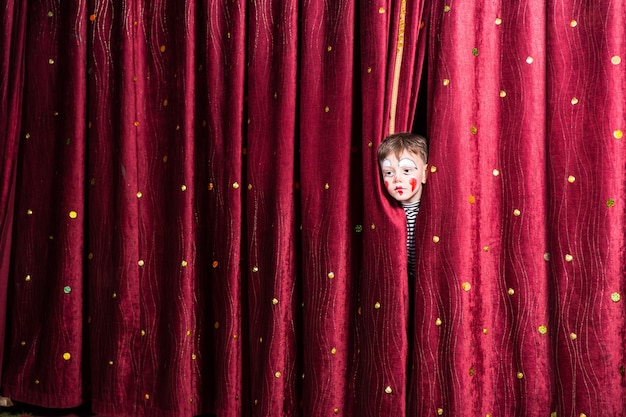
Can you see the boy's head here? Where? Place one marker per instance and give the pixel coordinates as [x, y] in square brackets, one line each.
[403, 159]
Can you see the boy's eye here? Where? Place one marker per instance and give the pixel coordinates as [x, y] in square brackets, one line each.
[388, 173]
[407, 170]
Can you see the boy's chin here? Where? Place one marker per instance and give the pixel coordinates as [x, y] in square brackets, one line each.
[407, 200]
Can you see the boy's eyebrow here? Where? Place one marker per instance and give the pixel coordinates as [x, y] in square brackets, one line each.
[386, 163]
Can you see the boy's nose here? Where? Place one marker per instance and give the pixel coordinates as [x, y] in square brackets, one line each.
[396, 178]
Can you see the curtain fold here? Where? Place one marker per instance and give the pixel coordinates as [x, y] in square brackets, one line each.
[11, 74]
[586, 174]
[49, 203]
[222, 98]
[148, 258]
[326, 169]
[271, 263]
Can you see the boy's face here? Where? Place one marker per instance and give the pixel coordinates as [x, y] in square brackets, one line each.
[404, 176]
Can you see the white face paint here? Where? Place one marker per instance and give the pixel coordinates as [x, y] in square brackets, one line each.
[386, 163]
[406, 162]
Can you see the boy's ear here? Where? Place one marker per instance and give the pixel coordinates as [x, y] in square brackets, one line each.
[425, 176]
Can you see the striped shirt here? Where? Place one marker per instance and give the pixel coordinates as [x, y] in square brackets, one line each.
[411, 210]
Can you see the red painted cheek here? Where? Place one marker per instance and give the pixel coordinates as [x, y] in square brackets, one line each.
[386, 184]
[413, 184]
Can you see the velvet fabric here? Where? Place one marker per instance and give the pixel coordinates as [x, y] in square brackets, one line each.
[11, 67]
[193, 221]
[198, 211]
[521, 271]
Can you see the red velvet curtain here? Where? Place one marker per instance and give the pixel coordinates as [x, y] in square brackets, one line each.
[198, 225]
[522, 265]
